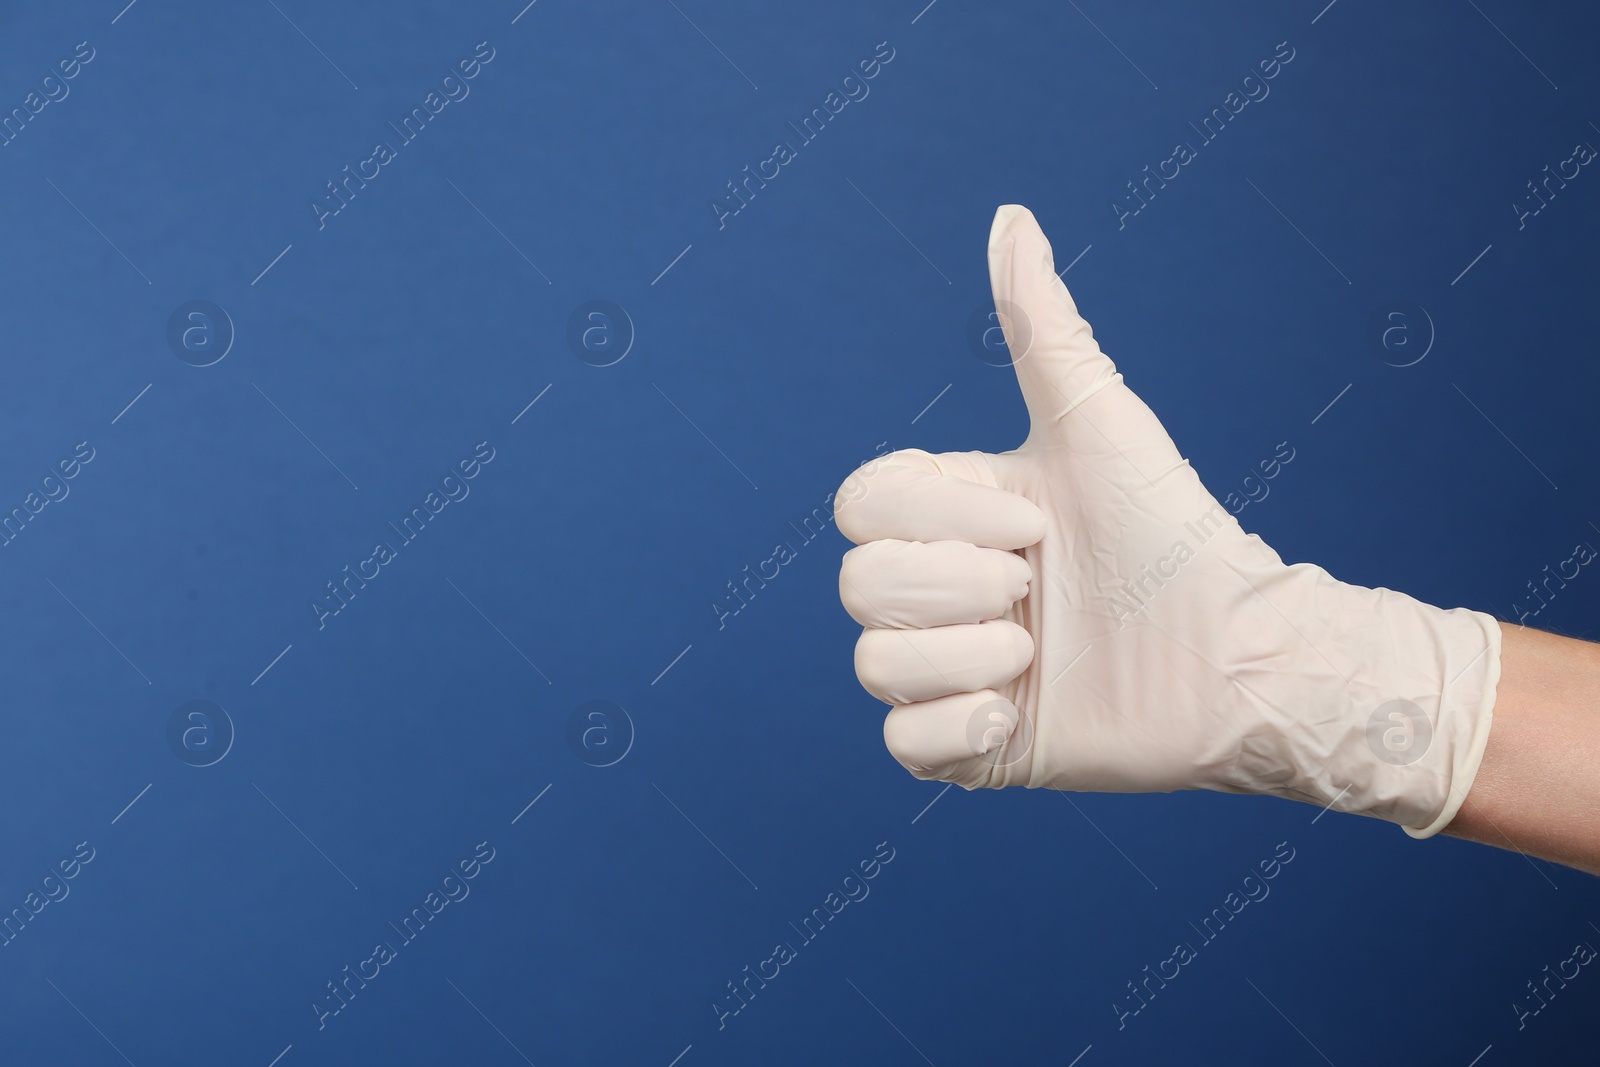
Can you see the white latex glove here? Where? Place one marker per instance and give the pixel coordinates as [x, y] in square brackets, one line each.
[1082, 614]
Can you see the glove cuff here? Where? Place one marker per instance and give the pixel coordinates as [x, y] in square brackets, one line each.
[1470, 699]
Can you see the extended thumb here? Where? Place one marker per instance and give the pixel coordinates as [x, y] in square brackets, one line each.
[1058, 363]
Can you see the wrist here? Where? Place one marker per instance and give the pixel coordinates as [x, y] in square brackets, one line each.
[1538, 787]
[1390, 707]
[1421, 705]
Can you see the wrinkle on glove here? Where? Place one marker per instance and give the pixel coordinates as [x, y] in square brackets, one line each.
[1081, 613]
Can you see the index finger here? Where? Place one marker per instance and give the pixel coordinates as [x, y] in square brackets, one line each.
[908, 496]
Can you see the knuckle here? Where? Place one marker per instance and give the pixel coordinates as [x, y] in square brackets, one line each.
[856, 522]
[875, 663]
[897, 740]
[857, 574]
[904, 737]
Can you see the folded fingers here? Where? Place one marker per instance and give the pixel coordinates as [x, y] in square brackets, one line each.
[911, 585]
[912, 495]
[973, 739]
[907, 666]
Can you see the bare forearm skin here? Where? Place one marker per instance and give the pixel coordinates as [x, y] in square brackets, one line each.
[1538, 788]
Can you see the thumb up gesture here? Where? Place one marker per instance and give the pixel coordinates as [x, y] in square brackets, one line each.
[1080, 612]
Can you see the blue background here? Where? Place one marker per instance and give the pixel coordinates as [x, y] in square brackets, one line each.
[776, 353]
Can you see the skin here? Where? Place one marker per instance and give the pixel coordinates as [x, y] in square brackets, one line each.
[1538, 788]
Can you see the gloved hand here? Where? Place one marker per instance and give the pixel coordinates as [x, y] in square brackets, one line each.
[1081, 613]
